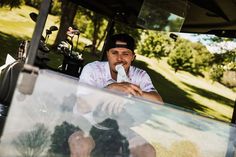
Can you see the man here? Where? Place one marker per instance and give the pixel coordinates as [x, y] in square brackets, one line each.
[120, 52]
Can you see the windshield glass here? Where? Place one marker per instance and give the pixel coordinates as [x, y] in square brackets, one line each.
[168, 16]
[49, 122]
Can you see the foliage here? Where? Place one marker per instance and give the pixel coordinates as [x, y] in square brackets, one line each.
[188, 56]
[216, 72]
[181, 55]
[122, 28]
[226, 59]
[68, 12]
[56, 7]
[33, 3]
[202, 58]
[82, 21]
[155, 44]
[109, 142]
[11, 3]
[223, 62]
[95, 27]
[149, 14]
[60, 137]
[34, 142]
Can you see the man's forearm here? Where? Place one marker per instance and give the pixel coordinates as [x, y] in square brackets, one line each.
[153, 96]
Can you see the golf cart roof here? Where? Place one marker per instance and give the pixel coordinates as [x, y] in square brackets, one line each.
[200, 16]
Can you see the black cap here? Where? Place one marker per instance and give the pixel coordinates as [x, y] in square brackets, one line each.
[121, 40]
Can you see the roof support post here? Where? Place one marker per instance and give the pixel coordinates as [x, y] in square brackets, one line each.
[38, 30]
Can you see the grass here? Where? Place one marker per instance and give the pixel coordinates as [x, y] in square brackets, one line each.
[181, 88]
[188, 91]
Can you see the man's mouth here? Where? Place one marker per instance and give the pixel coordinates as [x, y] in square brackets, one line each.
[120, 63]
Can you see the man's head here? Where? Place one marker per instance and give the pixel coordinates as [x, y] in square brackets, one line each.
[120, 50]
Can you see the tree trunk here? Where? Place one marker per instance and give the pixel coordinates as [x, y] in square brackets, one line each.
[102, 38]
[95, 35]
[97, 21]
[68, 14]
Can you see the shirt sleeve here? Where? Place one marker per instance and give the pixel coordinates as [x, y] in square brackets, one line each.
[146, 83]
[87, 75]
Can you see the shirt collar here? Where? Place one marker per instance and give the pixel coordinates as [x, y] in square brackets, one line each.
[108, 73]
[109, 79]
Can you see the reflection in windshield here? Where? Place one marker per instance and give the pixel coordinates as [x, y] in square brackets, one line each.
[162, 15]
[61, 113]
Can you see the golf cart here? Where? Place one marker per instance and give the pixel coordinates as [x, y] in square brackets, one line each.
[42, 113]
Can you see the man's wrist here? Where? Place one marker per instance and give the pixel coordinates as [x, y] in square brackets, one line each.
[108, 86]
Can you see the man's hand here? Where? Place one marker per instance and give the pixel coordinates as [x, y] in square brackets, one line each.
[135, 90]
[127, 88]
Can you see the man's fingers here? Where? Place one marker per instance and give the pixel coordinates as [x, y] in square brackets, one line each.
[133, 91]
[127, 87]
[137, 89]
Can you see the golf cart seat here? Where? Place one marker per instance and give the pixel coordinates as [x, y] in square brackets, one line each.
[8, 79]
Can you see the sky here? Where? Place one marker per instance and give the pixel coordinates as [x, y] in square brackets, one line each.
[214, 48]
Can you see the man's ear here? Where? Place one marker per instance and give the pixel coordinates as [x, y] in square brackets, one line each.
[134, 57]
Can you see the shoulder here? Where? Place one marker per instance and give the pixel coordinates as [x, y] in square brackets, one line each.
[134, 71]
[96, 68]
[95, 63]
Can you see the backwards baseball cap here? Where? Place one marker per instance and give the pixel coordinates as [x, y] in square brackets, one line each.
[121, 40]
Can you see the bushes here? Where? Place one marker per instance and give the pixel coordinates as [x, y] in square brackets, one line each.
[216, 72]
[33, 3]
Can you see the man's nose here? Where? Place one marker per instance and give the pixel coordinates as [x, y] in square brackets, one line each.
[119, 57]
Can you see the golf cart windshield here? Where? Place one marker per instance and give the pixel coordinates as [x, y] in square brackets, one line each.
[42, 123]
[162, 15]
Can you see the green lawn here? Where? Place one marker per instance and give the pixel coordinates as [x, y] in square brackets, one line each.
[181, 88]
[188, 91]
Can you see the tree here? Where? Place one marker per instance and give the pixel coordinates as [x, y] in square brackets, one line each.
[34, 142]
[155, 44]
[148, 13]
[11, 3]
[109, 142]
[223, 62]
[97, 23]
[60, 137]
[33, 3]
[68, 12]
[122, 28]
[95, 27]
[181, 56]
[216, 72]
[202, 58]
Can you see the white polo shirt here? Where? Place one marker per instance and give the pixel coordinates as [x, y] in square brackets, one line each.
[98, 74]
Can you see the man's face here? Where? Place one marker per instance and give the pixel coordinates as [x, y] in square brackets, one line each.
[120, 55]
